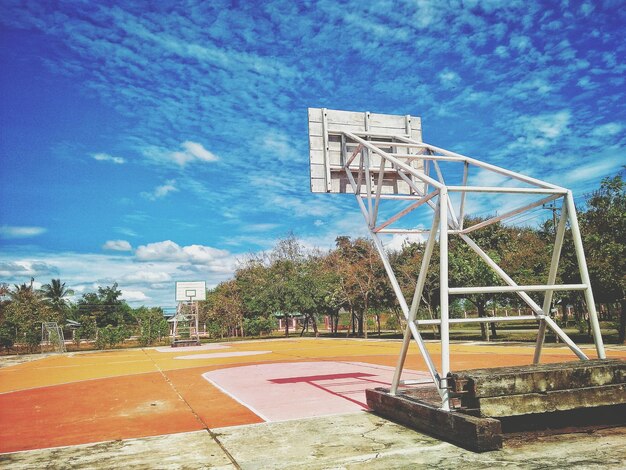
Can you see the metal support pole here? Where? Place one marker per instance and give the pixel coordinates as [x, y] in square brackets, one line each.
[584, 275]
[368, 189]
[396, 288]
[419, 288]
[405, 309]
[443, 289]
[397, 374]
[462, 206]
[451, 211]
[541, 336]
[554, 265]
[379, 188]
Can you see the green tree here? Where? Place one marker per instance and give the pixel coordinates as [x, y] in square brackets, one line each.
[407, 264]
[223, 310]
[55, 294]
[285, 276]
[110, 336]
[152, 324]
[317, 291]
[24, 313]
[254, 288]
[7, 330]
[603, 226]
[86, 330]
[105, 306]
[361, 278]
[258, 325]
[467, 269]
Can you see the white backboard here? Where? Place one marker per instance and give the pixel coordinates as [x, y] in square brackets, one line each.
[326, 140]
[190, 291]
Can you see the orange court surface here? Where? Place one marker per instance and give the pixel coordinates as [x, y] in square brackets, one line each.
[78, 398]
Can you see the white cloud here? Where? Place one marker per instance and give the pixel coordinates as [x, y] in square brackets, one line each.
[117, 245]
[302, 208]
[609, 129]
[591, 170]
[586, 83]
[198, 151]
[520, 43]
[448, 78]
[278, 146]
[501, 51]
[148, 276]
[150, 283]
[105, 157]
[126, 231]
[26, 268]
[200, 254]
[161, 191]
[398, 241]
[483, 177]
[192, 151]
[261, 227]
[163, 251]
[586, 8]
[134, 295]
[542, 130]
[12, 231]
[551, 125]
[170, 251]
[426, 13]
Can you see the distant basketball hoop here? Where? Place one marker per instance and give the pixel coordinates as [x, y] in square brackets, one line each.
[186, 330]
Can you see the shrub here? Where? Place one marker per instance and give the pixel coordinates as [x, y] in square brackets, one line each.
[111, 336]
[258, 325]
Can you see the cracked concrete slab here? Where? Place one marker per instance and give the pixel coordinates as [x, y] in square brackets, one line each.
[363, 440]
[191, 450]
[352, 441]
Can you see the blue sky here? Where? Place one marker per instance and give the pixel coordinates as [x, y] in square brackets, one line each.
[149, 144]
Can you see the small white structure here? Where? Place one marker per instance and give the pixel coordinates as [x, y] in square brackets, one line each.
[52, 338]
[186, 330]
[382, 160]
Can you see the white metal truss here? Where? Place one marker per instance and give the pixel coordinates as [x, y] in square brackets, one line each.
[186, 323]
[395, 155]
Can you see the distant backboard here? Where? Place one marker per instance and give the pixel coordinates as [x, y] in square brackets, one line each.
[190, 291]
[328, 148]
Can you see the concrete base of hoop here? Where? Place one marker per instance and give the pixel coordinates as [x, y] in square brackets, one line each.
[185, 342]
[493, 404]
[471, 432]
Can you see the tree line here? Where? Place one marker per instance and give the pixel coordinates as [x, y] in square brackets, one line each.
[101, 316]
[291, 280]
[349, 282]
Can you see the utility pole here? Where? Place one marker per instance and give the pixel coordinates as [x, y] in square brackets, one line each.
[552, 208]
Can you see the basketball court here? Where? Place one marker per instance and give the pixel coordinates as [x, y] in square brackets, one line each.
[80, 398]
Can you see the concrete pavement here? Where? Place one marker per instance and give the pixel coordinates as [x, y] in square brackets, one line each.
[358, 440]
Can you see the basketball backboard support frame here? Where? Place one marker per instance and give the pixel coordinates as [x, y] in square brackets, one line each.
[186, 320]
[380, 157]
